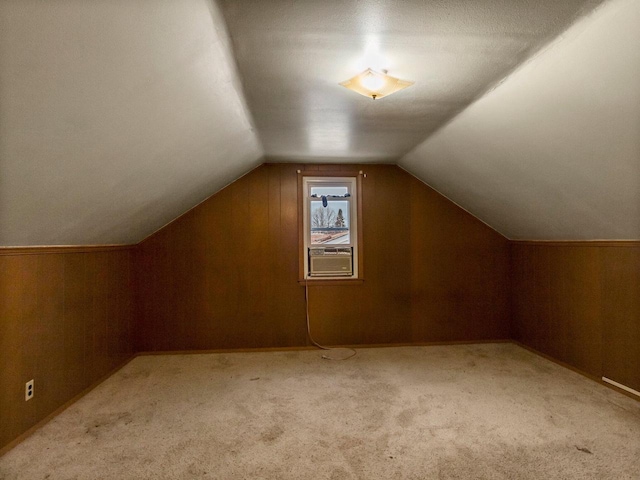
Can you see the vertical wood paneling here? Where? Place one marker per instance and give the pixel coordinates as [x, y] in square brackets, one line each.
[274, 290]
[65, 321]
[52, 345]
[291, 297]
[16, 324]
[579, 304]
[620, 289]
[459, 272]
[242, 289]
[77, 308]
[258, 273]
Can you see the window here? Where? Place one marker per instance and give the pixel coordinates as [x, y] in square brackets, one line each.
[330, 227]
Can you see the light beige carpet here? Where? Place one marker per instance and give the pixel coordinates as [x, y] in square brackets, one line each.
[468, 412]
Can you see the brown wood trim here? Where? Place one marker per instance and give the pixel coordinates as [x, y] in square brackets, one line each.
[227, 350]
[358, 174]
[576, 370]
[62, 408]
[301, 258]
[330, 282]
[360, 227]
[45, 250]
[276, 160]
[311, 347]
[423, 344]
[329, 173]
[578, 243]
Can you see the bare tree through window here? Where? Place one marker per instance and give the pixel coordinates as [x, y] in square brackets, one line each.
[327, 226]
[323, 217]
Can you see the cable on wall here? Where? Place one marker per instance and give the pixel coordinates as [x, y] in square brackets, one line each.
[322, 347]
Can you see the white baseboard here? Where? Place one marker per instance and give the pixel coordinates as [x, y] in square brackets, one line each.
[619, 385]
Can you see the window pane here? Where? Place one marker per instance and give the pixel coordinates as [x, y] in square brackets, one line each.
[320, 190]
[330, 224]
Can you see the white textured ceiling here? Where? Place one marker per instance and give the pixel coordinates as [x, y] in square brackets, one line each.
[115, 117]
[293, 54]
[554, 151]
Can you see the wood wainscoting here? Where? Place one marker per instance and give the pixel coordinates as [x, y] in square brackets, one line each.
[66, 320]
[579, 302]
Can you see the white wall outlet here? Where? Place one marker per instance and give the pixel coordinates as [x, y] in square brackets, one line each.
[28, 390]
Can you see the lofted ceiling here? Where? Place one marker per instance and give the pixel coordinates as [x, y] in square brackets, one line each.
[554, 152]
[116, 117]
[293, 54]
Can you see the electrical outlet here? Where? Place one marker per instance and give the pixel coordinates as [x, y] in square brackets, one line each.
[28, 390]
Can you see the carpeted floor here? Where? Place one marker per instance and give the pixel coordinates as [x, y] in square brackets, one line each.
[490, 411]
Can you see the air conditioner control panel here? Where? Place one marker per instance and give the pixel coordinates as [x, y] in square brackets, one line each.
[330, 251]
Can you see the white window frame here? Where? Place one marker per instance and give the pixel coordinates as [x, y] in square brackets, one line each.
[352, 184]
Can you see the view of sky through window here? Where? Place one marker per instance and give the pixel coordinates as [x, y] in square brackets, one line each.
[319, 191]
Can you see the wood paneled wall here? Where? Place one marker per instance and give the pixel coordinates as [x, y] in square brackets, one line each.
[579, 302]
[225, 274]
[66, 318]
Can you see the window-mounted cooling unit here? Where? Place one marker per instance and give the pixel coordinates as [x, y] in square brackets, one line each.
[331, 262]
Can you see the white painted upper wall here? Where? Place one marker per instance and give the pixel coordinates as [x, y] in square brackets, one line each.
[115, 117]
[554, 151]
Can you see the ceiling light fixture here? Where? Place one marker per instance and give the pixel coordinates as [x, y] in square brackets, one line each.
[374, 84]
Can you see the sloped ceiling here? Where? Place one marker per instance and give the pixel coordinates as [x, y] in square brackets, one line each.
[115, 117]
[554, 151]
[293, 54]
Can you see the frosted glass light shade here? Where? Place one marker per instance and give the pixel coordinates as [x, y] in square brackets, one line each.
[375, 85]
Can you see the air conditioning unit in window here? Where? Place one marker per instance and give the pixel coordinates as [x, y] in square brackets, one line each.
[331, 262]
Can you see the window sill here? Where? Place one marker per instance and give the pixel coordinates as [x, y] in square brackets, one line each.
[329, 282]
